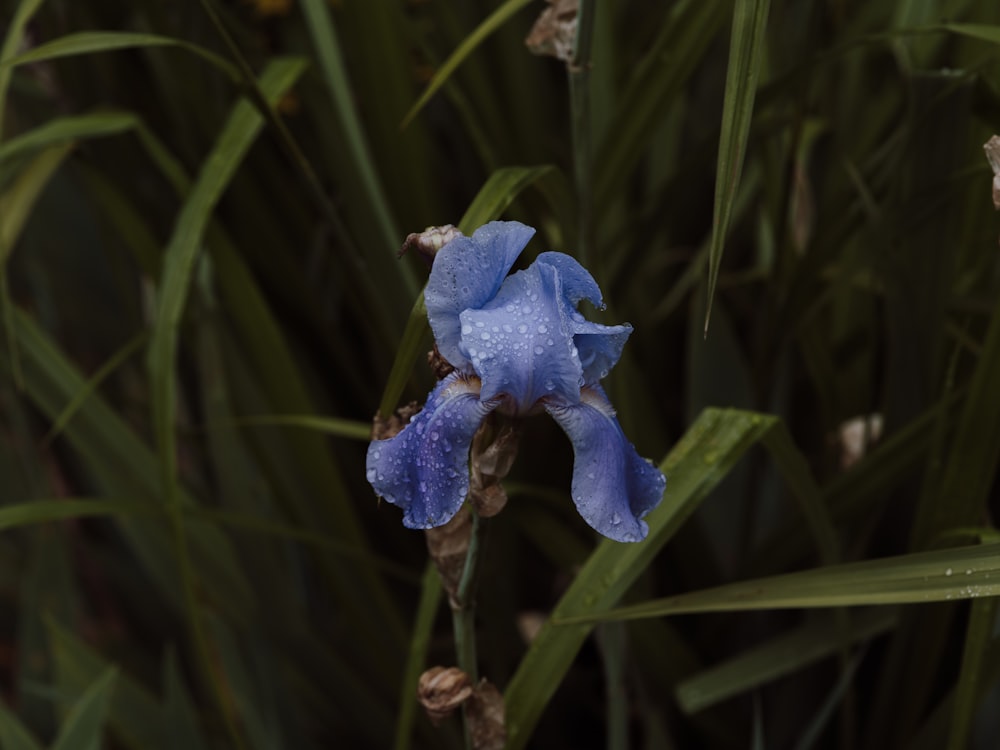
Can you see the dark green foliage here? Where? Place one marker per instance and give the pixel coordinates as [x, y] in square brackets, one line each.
[202, 309]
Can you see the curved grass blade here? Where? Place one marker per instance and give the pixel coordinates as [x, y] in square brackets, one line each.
[65, 509]
[978, 635]
[497, 193]
[344, 428]
[179, 257]
[324, 37]
[13, 734]
[15, 33]
[113, 363]
[69, 128]
[89, 42]
[937, 576]
[16, 205]
[703, 457]
[134, 715]
[777, 657]
[492, 22]
[82, 729]
[746, 49]
[430, 601]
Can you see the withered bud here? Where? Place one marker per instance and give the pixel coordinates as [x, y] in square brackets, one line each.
[554, 33]
[441, 367]
[383, 429]
[486, 717]
[448, 546]
[491, 462]
[428, 242]
[441, 690]
[992, 149]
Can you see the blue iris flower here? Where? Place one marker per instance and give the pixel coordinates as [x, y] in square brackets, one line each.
[518, 346]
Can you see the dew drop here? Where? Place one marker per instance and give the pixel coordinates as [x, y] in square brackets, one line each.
[616, 519]
[539, 350]
[948, 572]
[466, 329]
[480, 324]
[526, 309]
[549, 385]
[510, 308]
[371, 474]
[435, 435]
[522, 328]
[376, 455]
[484, 336]
[508, 329]
[543, 328]
[550, 342]
[591, 475]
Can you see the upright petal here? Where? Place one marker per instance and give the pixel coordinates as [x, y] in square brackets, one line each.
[599, 346]
[577, 283]
[521, 343]
[467, 273]
[425, 468]
[613, 487]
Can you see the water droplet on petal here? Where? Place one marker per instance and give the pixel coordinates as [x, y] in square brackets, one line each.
[616, 519]
[371, 474]
[508, 329]
[539, 350]
[480, 324]
[543, 328]
[435, 435]
[948, 572]
[510, 308]
[376, 455]
[466, 329]
[549, 385]
[522, 328]
[526, 309]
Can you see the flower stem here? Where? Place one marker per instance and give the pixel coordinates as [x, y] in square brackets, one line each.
[463, 614]
[579, 99]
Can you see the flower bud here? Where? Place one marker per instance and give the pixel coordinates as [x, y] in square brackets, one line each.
[443, 689]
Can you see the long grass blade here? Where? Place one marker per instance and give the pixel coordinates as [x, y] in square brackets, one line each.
[83, 727]
[746, 51]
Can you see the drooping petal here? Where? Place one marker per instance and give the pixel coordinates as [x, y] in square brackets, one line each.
[467, 273]
[425, 468]
[613, 487]
[599, 346]
[521, 344]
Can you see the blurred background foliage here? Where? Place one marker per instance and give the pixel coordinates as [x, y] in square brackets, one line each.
[200, 209]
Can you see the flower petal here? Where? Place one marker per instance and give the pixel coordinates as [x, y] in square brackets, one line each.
[599, 346]
[425, 468]
[577, 283]
[613, 487]
[521, 343]
[467, 273]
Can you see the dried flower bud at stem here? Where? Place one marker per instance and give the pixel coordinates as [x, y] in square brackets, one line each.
[428, 242]
[992, 149]
[441, 690]
[491, 462]
[383, 429]
[441, 367]
[554, 33]
[486, 717]
[448, 546]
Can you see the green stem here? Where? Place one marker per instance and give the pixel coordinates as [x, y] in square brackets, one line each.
[579, 99]
[463, 615]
